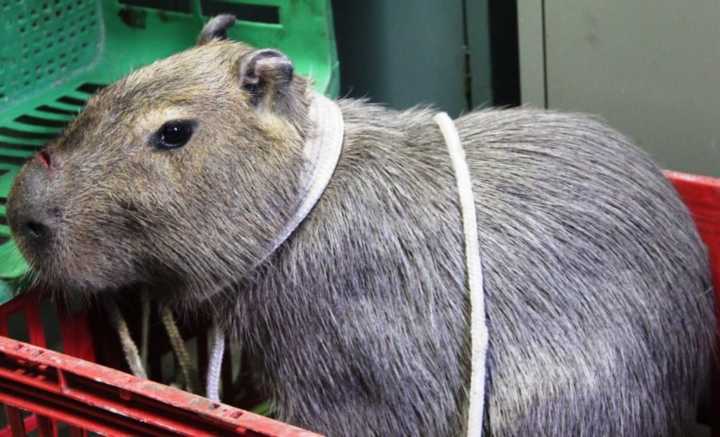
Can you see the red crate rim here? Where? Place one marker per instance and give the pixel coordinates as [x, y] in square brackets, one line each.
[125, 387]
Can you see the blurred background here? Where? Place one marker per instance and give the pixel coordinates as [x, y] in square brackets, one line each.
[649, 67]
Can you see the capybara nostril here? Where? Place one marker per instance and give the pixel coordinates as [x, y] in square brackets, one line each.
[43, 157]
[35, 230]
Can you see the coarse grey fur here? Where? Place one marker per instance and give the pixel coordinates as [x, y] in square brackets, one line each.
[598, 296]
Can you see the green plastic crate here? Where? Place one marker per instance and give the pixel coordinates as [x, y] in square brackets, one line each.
[55, 53]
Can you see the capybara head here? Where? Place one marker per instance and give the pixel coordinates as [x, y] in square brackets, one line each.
[176, 177]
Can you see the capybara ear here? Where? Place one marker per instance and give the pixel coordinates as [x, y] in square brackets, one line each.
[216, 28]
[266, 76]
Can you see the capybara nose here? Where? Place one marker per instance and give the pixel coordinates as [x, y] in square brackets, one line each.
[32, 209]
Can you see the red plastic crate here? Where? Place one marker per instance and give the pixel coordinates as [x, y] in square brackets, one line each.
[87, 397]
[701, 194]
[68, 388]
[50, 392]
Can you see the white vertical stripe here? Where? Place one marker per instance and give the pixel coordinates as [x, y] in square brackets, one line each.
[478, 325]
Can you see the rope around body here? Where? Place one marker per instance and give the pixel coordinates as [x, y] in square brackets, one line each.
[478, 326]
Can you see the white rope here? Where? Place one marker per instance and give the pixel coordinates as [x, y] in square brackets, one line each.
[214, 370]
[322, 153]
[478, 326]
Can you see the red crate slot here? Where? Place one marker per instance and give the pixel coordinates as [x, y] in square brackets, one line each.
[74, 329]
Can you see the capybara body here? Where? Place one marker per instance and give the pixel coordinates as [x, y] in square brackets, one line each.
[598, 296]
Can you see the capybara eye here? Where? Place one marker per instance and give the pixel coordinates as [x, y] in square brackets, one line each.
[174, 134]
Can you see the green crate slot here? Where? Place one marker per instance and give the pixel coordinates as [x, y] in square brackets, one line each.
[57, 53]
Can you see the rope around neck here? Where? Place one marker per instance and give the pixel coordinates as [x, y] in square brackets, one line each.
[478, 326]
[322, 153]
